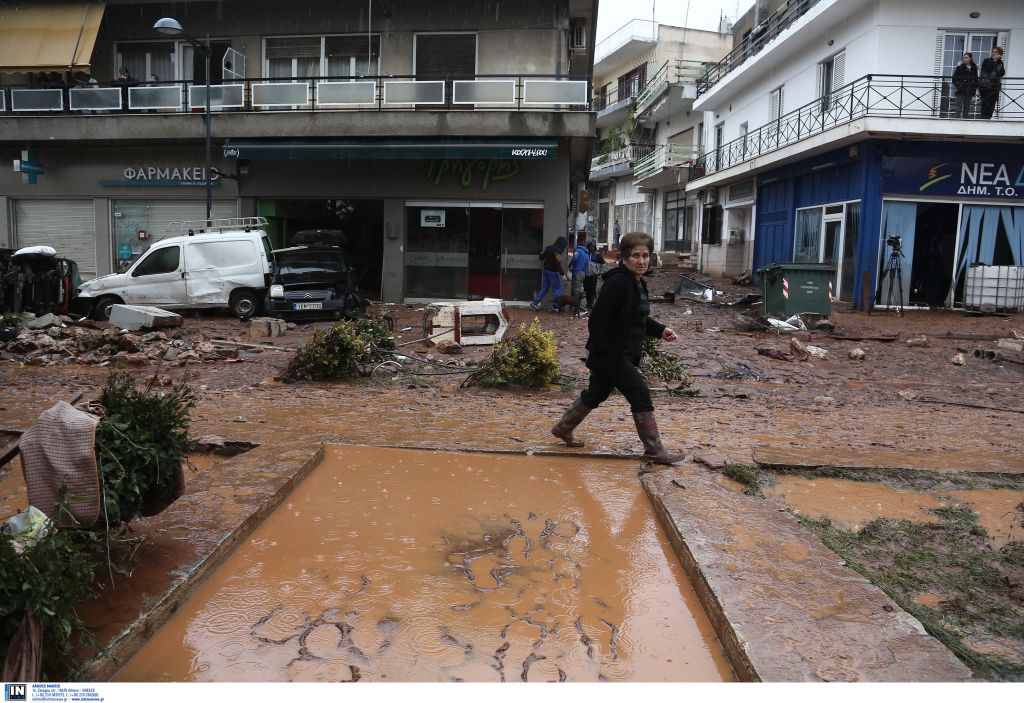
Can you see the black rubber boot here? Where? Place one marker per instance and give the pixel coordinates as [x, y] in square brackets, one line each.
[654, 451]
[572, 417]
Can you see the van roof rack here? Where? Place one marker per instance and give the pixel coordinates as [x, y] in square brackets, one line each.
[223, 224]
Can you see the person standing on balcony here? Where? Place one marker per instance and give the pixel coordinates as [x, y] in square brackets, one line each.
[618, 325]
[965, 82]
[553, 273]
[989, 85]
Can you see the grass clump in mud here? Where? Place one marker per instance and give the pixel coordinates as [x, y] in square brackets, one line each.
[978, 591]
[341, 351]
[666, 367]
[527, 359]
[753, 480]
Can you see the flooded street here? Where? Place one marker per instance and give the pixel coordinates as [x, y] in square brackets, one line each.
[423, 566]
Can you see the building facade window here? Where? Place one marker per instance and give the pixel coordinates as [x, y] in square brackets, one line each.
[144, 59]
[631, 217]
[711, 225]
[631, 83]
[831, 77]
[341, 56]
[678, 222]
[828, 234]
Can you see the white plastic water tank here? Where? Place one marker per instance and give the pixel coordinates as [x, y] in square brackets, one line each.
[994, 288]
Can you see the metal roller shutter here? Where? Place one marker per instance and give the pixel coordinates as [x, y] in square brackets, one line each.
[69, 226]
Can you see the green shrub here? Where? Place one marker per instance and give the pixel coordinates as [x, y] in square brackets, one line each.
[339, 352]
[665, 366]
[46, 582]
[529, 359]
[141, 443]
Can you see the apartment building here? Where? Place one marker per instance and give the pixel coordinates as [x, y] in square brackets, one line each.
[443, 139]
[833, 128]
[645, 77]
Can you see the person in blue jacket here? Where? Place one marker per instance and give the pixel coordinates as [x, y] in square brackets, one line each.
[554, 271]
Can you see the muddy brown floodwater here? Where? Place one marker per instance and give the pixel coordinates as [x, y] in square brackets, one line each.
[406, 565]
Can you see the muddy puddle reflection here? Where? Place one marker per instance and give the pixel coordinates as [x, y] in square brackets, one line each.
[417, 566]
[853, 504]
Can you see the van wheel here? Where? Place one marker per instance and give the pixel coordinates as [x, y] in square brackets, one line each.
[101, 310]
[244, 305]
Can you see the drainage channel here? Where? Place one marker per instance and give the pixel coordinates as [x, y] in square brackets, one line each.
[412, 565]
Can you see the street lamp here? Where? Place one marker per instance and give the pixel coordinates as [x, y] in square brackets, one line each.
[171, 26]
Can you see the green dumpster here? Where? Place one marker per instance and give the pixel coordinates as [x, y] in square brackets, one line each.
[794, 288]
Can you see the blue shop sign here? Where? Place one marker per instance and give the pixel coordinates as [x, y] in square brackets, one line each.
[986, 179]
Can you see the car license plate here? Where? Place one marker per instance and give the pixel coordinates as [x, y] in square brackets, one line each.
[308, 306]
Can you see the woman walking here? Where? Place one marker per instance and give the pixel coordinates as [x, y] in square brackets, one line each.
[619, 321]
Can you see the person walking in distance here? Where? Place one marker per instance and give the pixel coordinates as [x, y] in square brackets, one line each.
[554, 271]
[618, 324]
[594, 271]
[965, 82]
[989, 85]
[578, 267]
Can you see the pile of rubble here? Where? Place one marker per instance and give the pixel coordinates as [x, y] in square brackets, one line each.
[53, 340]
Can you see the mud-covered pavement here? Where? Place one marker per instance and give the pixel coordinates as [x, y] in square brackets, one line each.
[904, 407]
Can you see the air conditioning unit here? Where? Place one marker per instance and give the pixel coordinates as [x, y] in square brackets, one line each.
[578, 34]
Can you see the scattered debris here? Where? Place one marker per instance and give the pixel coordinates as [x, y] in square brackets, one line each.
[824, 400]
[775, 354]
[1016, 345]
[825, 325]
[134, 317]
[907, 395]
[448, 346]
[817, 352]
[266, 327]
[958, 360]
[799, 349]
[919, 341]
[866, 338]
[44, 321]
[857, 354]
[1016, 334]
[744, 279]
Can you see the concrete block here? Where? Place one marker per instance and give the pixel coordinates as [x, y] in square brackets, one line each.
[135, 317]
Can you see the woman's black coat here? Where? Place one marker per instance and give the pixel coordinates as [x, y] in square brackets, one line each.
[609, 321]
[965, 79]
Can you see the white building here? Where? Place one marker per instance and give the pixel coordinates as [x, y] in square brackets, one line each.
[831, 127]
[645, 82]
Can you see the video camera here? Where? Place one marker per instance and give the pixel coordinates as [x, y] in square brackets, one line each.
[895, 241]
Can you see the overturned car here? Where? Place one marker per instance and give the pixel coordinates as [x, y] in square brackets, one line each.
[313, 279]
[34, 279]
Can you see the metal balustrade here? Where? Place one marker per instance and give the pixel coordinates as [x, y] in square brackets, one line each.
[671, 72]
[912, 97]
[628, 154]
[538, 92]
[664, 156]
[754, 42]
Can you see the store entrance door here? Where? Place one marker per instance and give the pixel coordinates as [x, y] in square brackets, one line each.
[485, 251]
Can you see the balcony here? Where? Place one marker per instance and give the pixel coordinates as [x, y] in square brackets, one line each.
[614, 105]
[618, 162]
[902, 105]
[753, 43]
[627, 43]
[666, 165]
[672, 89]
[504, 92]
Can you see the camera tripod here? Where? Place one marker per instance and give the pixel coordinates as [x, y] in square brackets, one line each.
[893, 275]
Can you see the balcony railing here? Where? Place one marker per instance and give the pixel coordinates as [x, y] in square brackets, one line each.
[626, 155]
[644, 30]
[617, 96]
[918, 97]
[674, 72]
[479, 92]
[665, 156]
[752, 44]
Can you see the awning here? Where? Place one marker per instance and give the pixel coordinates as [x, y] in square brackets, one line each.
[531, 149]
[48, 36]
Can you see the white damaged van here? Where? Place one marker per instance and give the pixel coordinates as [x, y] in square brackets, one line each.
[224, 265]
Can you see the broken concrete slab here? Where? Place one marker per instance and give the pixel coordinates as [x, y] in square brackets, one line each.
[266, 327]
[785, 607]
[954, 461]
[47, 320]
[135, 317]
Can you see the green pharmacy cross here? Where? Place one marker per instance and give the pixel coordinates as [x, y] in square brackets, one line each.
[28, 167]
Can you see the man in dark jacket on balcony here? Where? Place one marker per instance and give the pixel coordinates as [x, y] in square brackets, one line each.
[965, 82]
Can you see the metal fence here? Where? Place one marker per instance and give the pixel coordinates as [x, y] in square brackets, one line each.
[665, 156]
[479, 92]
[752, 44]
[919, 97]
[675, 72]
[627, 154]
